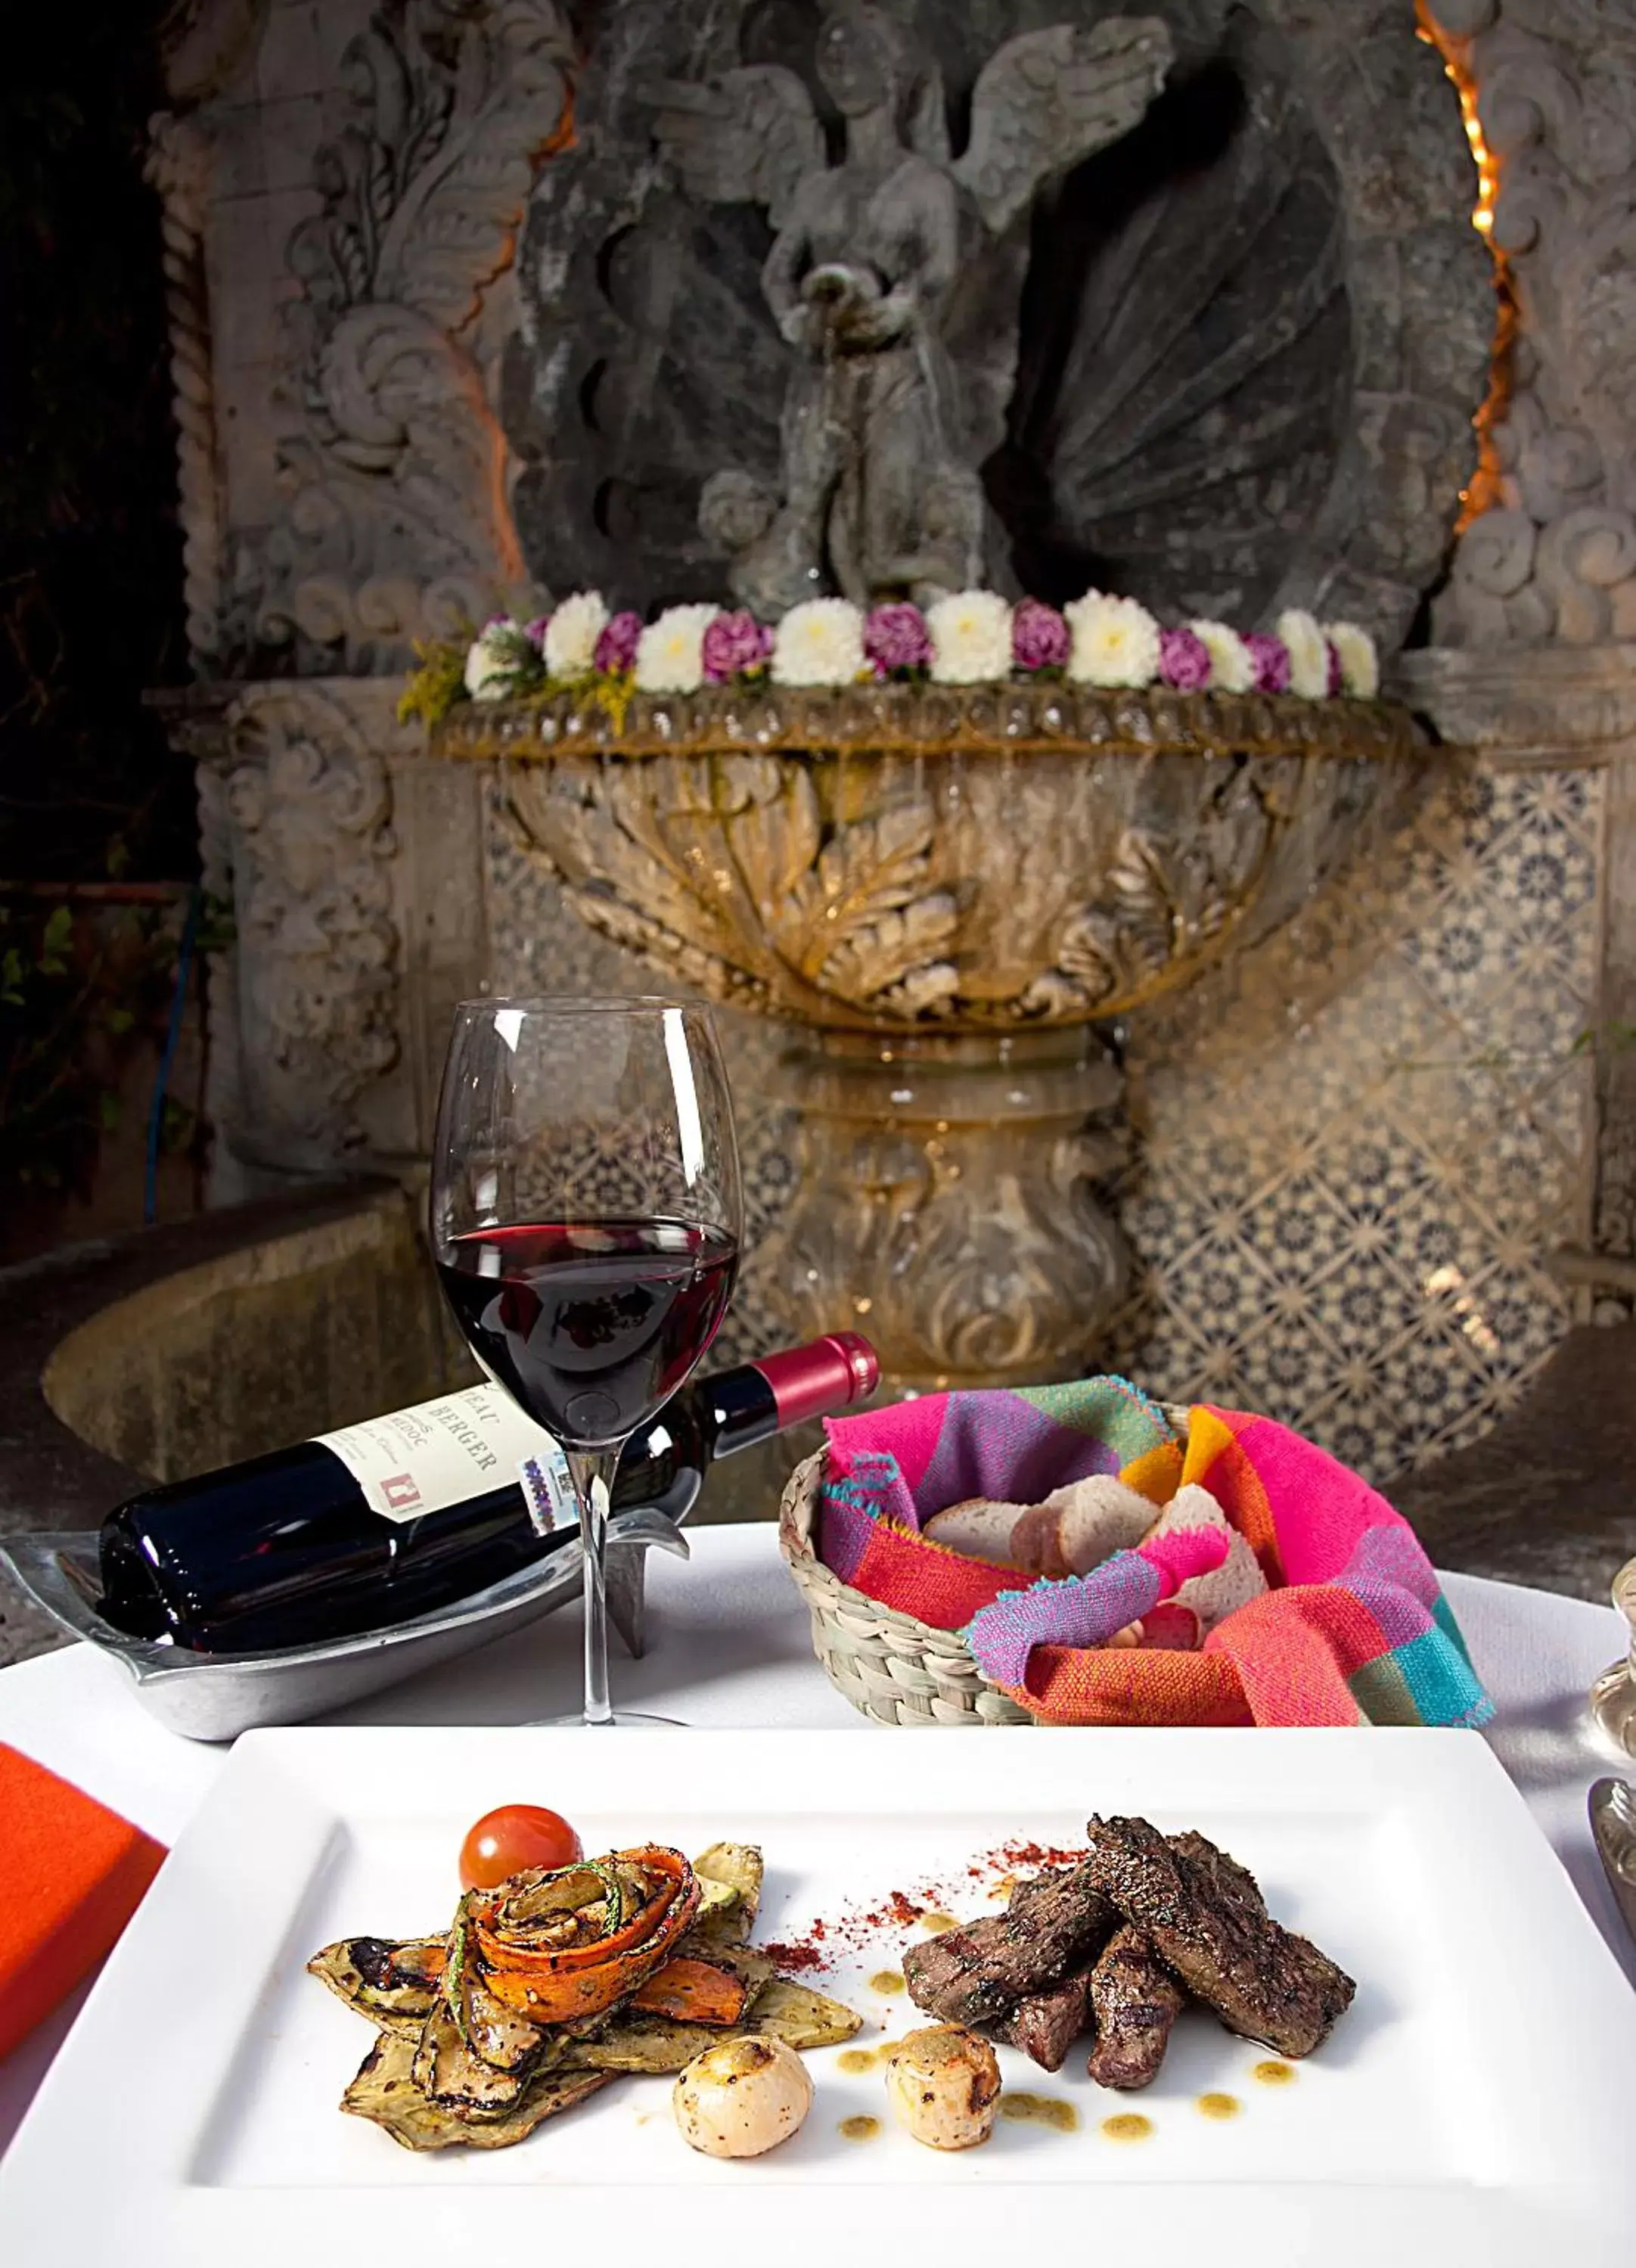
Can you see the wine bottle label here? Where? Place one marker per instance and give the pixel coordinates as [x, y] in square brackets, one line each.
[420, 1460]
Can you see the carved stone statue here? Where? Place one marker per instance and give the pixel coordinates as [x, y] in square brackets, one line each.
[881, 492]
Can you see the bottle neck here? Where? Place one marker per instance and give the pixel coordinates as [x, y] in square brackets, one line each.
[746, 1405]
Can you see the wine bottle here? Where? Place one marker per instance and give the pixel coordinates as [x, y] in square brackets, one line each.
[378, 1522]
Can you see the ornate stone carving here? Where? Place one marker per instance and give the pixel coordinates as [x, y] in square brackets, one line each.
[978, 860]
[1555, 557]
[398, 523]
[298, 811]
[178, 167]
[1555, 706]
[947, 1200]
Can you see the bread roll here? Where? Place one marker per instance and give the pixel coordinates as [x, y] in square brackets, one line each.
[1080, 1526]
[977, 1528]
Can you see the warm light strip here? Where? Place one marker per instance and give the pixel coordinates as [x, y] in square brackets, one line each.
[1487, 482]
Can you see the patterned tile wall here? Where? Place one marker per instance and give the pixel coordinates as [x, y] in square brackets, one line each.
[1354, 1149]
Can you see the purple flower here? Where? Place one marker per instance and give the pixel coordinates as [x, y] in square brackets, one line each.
[733, 645]
[1337, 675]
[895, 637]
[1270, 656]
[535, 632]
[1184, 660]
[616, 647]
[1039, 637]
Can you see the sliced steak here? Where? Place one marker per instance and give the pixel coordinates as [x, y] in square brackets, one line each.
[1053, 1925]
[1208, 1922]
[1046, 2025]
[1135, 2000]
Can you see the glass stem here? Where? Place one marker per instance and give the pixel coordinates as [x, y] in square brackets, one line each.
[593, 1480]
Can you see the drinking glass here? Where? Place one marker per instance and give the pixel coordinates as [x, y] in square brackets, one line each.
[585, 1217]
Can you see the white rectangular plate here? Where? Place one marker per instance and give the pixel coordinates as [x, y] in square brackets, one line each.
[1472, 2105]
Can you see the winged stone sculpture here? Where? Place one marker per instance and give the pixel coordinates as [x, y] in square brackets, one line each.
[880, 265]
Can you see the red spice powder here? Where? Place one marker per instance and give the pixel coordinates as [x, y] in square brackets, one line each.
[795, 1957]
[825, 1943]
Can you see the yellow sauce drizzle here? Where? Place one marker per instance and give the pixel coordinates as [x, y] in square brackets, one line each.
[859, 2130]
[862, 2059]
[885, 1980]
[935, 1924]
[1273, 2073]
[1040, 2110]
[1219, 2106]
[1128, 2126]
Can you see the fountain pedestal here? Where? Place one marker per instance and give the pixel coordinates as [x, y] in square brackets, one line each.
[946, 888]
[947, 1192]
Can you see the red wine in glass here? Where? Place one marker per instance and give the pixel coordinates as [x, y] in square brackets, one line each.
[585, 1212]
[590, 1325]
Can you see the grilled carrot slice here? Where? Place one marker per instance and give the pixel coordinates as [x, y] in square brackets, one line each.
[694, 1991]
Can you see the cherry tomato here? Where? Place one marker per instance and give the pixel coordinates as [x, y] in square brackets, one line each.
[515, 1835]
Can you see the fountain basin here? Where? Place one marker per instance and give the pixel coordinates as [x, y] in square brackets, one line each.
[966, 858]
[949, 888]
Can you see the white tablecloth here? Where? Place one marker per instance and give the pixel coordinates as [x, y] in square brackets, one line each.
[729, 1644]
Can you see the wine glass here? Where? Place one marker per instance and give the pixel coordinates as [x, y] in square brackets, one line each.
[585, 1217]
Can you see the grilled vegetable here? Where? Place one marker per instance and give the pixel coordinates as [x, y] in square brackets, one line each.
[549, 1984]
[445, 2069]
[944, 2085]
[729, 1877]
[742, 2098]
[386, 2092]
[694, 1991]
[795, 2013]
[393, 1984]
[557, 1947]
[801, 2017]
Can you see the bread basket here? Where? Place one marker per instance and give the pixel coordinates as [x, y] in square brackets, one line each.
[897, 1670]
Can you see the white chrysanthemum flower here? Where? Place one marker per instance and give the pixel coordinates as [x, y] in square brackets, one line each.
[1115, 641]
[1360, 664]
[1309, 653]
[820, 642]
[971, 636]
[670, 657]
[1232, 665]
[491, 662]
[571, 634]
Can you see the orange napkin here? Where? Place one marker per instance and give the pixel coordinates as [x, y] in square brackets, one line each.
[71, 1876]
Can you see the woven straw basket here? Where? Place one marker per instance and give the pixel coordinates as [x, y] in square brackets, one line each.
[897, 1670]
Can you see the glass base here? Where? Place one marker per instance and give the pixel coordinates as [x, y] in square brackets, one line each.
[627, 1720]
[1613, 1708]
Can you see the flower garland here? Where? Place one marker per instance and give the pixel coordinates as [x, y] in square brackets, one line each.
[972, 638]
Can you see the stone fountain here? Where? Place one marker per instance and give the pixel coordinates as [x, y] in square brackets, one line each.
[948, 887]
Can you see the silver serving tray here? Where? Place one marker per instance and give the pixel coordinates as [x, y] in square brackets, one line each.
[216, 1696]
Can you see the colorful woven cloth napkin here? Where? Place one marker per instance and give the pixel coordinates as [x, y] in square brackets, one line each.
[1353, 1630]
[72, 1874]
